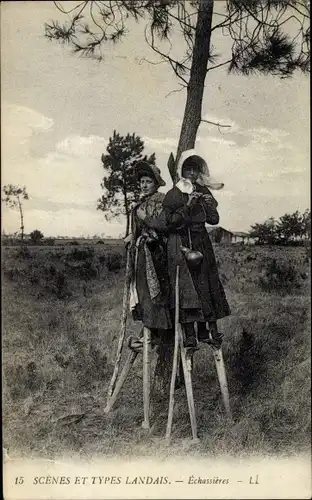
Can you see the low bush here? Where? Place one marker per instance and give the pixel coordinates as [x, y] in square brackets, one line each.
[81, 253]
[102, 259]
[88, 270]
[60, 286]
[280, 277]
[114, 262]
[24, 253]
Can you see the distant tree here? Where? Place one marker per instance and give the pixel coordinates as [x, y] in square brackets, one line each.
[266, 232]
[120, 184]
[289, 227]
[13, 199]
[36, 236]
[306, 224]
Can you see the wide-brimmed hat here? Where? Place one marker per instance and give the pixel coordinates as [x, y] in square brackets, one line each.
[142, 167]
[204, 178]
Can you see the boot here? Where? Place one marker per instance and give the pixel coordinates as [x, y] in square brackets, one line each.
[190, 340]
[203, 333]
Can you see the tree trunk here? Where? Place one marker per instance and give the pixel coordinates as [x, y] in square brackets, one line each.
[127, 221]
[195, 88]
[128, 215]
[190, 124]
[126, 205]
[22, 218]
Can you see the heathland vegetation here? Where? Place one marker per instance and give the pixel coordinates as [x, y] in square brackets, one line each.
[61, 310]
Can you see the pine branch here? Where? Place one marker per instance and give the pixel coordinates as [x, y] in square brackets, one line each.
[225, 63]
[176, 90]
[251, 24]
[175, 65]
[219, 125]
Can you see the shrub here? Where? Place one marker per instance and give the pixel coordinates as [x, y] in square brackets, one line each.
[60, 286]
[114, 262]
[24, 253]
[9, 273]
[250, 258]
[49, 242]
[102, 259]
[280, 276]
[81, 253]
[52, 270]
[88, 270]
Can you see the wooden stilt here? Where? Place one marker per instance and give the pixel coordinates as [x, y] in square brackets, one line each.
[175, 358]
[120, 382]
[146, 376]
[186, 358]
[218, 357]
[186, 355]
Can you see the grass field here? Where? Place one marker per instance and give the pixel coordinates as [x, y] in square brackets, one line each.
[61, 314]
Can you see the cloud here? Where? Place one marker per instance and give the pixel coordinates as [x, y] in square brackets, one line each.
[70, 172]
[92, 146]
[164, 145]
[261, 168]
[25, 118]
[218, 140]
[19, 126]
[261, 177]
[61, 178]
[20, 123]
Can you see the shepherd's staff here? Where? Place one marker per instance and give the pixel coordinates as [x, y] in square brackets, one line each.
[146, 376]
[120, 382]
[125, 303]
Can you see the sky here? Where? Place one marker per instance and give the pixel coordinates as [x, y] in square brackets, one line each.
[59, 110]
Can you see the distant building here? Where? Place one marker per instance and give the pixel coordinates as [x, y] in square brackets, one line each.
[220, 235]
[241, 237]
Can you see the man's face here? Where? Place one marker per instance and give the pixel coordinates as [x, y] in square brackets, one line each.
[190, 171]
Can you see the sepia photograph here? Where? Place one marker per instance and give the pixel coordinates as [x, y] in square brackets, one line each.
[156, 249]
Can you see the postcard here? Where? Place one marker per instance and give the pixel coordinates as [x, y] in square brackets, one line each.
[156, 249]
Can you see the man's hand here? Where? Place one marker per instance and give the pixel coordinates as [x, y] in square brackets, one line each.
[128, 239]
[193, 197]
[210, 201]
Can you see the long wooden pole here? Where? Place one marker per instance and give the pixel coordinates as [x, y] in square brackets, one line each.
[175, 357]
[125, 303]
[120, 382]
[146, 376]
